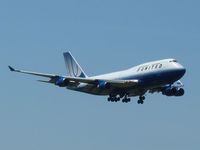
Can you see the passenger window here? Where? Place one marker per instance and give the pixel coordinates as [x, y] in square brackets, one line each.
[160, 66]
[140, 68]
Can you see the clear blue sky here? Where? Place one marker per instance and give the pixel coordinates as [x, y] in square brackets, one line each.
[104, 36]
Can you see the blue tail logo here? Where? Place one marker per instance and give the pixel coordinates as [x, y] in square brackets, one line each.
[73, 68]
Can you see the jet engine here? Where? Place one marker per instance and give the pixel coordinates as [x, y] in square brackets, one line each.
[103, 85]
[173, 91]
[61, 82]
[180, 92]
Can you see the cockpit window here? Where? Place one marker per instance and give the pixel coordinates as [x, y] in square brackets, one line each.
[173, 60]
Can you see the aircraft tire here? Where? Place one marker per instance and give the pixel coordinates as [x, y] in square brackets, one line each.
[140, 102]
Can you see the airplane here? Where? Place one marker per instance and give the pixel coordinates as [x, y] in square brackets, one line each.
[157, 76]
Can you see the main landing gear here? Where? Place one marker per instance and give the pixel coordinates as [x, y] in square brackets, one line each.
[125, 99]
[141, 100]
[114, 98]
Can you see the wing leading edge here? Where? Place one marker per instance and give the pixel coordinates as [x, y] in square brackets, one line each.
[31, 73]
[61, 80]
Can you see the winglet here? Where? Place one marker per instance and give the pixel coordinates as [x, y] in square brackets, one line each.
[11, 69]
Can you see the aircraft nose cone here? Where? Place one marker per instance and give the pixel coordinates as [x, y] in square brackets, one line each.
[182, 70]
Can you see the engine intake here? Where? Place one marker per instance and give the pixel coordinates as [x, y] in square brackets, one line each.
[173, 91]
[61, 82]
[103, 85]
[180, 92]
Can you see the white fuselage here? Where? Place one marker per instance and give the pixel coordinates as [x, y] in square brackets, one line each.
[151, 75]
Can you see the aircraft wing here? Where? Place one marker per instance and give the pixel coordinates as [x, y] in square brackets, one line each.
[115, 83]
[123, 83]
[32, 73]
[56, 79]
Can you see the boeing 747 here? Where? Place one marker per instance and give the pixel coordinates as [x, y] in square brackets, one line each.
[157, 76]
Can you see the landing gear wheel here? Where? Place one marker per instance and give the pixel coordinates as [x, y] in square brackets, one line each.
[113, 98]
[109, 99]
[126, 100]
[142, 98]
[140, 102]
[118, 98]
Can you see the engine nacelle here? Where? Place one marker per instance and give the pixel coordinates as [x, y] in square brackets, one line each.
[173, 91]
[61, 82]
[103, 85]
[180, 92]
[169, 91]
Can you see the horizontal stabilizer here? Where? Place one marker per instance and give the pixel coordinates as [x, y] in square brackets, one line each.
[43, 81]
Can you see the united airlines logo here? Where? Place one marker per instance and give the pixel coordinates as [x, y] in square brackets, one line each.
[73, 68]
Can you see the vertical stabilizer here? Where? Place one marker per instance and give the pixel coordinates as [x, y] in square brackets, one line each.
[73, 68]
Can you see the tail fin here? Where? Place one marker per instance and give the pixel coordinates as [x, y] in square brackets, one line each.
[73, 68]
